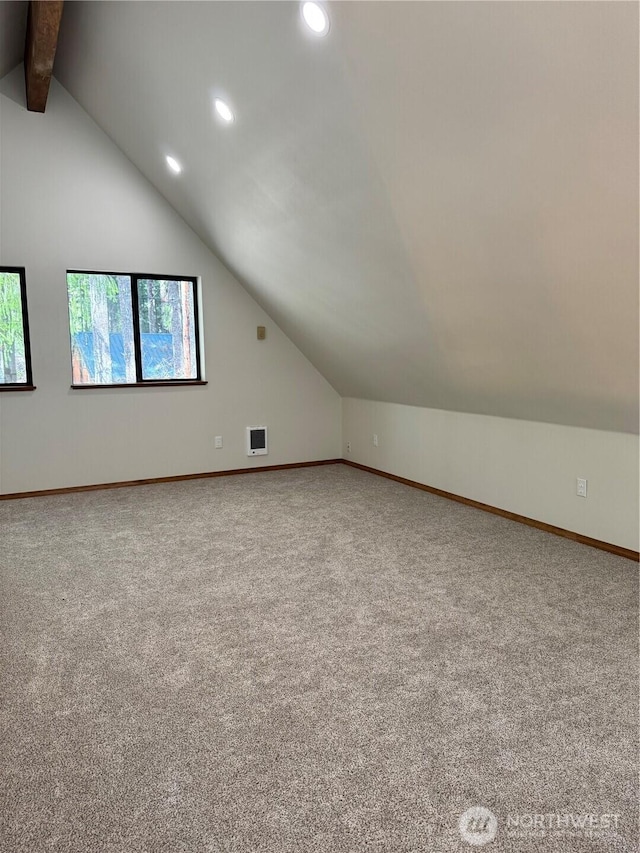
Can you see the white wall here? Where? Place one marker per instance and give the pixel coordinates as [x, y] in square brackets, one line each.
[70, 199]
[521, 466]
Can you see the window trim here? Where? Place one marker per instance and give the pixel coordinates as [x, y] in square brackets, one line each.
[148, 383]
[137, 340]
[27, 385]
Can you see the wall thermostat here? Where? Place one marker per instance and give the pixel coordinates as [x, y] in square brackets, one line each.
[257, 441]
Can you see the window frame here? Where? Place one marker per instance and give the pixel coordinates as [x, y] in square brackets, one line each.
[137, 339]
[27, 385]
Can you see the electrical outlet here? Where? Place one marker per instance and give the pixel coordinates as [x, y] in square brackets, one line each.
[218, 442]
[348, 447]
[375, 440]
[581, 487]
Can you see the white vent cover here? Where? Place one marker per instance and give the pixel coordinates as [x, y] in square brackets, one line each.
[257, 441]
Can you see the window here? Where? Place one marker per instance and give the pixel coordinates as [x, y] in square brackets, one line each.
[15, 355]
[131, 329]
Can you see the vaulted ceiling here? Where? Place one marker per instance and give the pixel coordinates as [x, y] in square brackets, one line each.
[13, 24]
[437, 202]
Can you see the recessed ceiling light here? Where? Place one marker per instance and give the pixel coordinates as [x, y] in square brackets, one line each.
[315, 18]
[173, 164]
[223, 110]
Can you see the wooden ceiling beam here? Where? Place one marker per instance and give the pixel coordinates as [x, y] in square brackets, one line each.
[43, 25]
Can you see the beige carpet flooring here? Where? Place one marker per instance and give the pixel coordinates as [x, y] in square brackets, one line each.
[309, 660]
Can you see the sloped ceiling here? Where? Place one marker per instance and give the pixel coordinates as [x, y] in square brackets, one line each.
[13, 23]
[438, 202]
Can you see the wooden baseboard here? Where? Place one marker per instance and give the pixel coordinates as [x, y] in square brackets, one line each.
[522, 519]
[152, 481]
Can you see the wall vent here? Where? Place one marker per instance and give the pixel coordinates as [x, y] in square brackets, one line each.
[257, 441]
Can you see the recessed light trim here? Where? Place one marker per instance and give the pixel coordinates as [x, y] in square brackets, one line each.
[315, 17]
[224, 110]
[173, 164]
